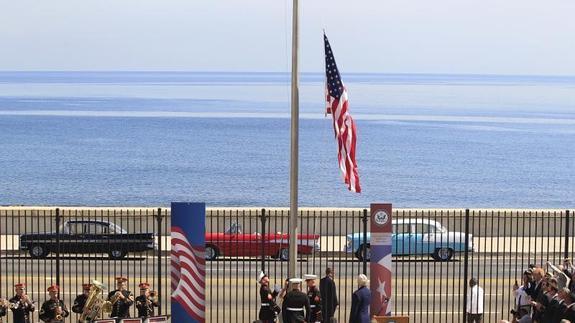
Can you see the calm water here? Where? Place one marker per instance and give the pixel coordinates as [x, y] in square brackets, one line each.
[223, 138]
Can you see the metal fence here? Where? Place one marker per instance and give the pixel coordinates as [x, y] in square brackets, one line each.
[72, 256]
[504, 243]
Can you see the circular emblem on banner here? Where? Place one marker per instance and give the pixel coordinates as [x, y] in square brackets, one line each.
[380, 217]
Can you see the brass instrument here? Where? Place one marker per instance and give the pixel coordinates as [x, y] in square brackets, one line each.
[95, 305]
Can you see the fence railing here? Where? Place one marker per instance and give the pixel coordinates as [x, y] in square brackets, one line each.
[69, 247]
[501, 244]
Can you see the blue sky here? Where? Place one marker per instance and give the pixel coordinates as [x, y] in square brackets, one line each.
[389, 36]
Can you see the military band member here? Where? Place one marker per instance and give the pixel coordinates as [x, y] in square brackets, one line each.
[4, 305]
[146, 302]
[121, 299]
[80, 300]
[295, 307]
[314, 299]
[21, 305]
[269, 309]
[53, 310]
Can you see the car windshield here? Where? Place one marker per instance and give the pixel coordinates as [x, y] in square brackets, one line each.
[234, 229]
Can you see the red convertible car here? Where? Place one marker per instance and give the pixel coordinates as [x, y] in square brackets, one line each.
[234, 243]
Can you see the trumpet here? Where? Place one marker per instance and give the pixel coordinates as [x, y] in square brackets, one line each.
[8, 305]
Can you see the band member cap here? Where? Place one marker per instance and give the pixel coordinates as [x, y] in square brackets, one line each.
[307, 277]
[53, 288]
[20, 285]
[144, 285]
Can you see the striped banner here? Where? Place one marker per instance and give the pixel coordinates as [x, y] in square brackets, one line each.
[188, 267]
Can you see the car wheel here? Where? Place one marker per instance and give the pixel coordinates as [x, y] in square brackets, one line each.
[283, 254]
[38, 251]
[117, 254]
[211, 253]
[442, 254]
[359, 253]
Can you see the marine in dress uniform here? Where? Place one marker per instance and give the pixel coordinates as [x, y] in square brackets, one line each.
[145, 303]
[22, 305]
[53, 310]
[269, 308]
[314, 296]
[80, 300]
[121, 299]
[328, 292]
[295, 306]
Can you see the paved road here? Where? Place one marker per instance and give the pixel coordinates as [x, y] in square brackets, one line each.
[426, 290]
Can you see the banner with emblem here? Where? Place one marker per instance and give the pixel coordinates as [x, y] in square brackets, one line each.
[380, 259]
[188, 265]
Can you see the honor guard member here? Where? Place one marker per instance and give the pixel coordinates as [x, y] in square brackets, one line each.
[53, 310]
[314, 299]
[146, 302]
[21, 305]
[121, 299]
[295, 306]
[269, 309]
[80, 300]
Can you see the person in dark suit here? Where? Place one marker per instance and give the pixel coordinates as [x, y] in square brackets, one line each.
[329, 301]
[536, 292]
[360, 301]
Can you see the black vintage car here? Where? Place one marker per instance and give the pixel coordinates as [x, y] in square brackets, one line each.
[88, 236]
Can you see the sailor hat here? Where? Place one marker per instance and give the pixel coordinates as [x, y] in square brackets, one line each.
[295, 280]
[307, 277]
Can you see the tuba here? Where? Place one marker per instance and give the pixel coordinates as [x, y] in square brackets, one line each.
[95, 305]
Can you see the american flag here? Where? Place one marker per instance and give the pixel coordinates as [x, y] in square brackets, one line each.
[188, 273]
[343, 124]
[188, 269]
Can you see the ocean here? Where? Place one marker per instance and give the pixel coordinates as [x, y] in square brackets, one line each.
[149, 138]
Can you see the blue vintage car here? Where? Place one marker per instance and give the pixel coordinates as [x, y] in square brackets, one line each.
[414, 237]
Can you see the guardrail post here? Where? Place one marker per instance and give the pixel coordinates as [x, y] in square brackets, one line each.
[364, 251]
[58, 246]
[263, 219]
[566, 255]
[159, 255]
[465, 265]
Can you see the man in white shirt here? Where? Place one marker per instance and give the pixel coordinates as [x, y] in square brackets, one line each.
[474, 302]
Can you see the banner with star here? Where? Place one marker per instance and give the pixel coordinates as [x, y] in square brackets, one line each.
[380, 262]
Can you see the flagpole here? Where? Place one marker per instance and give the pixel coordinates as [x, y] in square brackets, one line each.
[293, 225]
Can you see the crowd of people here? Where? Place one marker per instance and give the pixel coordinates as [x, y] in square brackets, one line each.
[54, 310]
[545, 297]
[317, 304]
